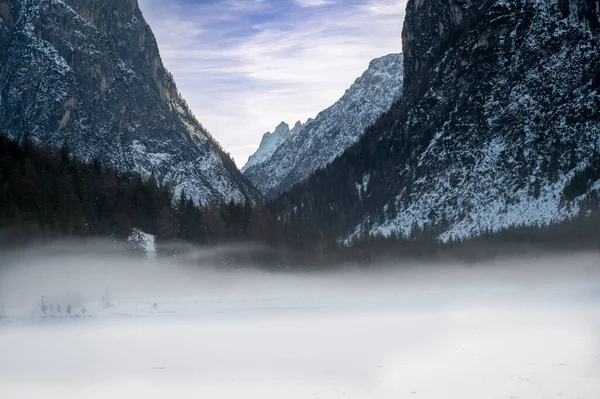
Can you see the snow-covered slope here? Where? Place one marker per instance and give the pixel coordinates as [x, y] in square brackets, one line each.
[499, 126]
[89, 73]
[271, 142]
[332, 131]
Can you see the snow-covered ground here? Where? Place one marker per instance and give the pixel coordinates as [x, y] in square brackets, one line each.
[523, 330]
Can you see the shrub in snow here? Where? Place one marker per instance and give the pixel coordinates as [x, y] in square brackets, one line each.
[69, 309]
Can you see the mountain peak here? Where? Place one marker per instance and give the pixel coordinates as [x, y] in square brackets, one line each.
[271, 142]
[381, 62]
[281, 129]
[89, 73]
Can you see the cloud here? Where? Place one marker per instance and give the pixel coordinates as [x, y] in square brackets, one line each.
[312, 3]
[244, 66]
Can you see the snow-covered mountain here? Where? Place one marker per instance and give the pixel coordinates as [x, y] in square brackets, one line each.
[271, 142]
[334, 130]
[88, 73]
[499, 126]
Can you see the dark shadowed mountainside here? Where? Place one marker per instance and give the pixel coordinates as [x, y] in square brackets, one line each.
[498, 126]
[88, 73]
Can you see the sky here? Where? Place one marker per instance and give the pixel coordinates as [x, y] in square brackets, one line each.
[244, 66]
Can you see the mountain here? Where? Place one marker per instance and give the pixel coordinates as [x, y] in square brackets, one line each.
[271, 142]
[499, 126]
[88, 73]
[331, 132]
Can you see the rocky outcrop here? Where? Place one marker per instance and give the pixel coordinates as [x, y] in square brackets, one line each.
[88, 73]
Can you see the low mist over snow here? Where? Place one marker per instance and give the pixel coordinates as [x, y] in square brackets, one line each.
[512, 328]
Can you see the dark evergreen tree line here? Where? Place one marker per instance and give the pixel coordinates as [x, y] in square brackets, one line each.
[45, 194]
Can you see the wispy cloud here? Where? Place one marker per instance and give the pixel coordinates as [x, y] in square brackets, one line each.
[244, 66]
[312, 3]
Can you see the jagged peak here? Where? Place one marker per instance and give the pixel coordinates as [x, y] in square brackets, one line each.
[281, 128]
[316, 143]
[271, 141]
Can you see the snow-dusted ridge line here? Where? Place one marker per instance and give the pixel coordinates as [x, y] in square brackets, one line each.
[334, 130]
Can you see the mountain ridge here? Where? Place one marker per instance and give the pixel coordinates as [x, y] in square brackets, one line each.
[333, 129]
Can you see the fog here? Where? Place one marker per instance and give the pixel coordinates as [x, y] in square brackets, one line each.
[180, 326]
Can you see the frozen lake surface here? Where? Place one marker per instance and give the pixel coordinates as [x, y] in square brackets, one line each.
[444, 335]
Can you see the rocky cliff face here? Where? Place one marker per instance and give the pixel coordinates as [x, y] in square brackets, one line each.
[510, 118]
[88, 73]
[332, 131]
[499, 124]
